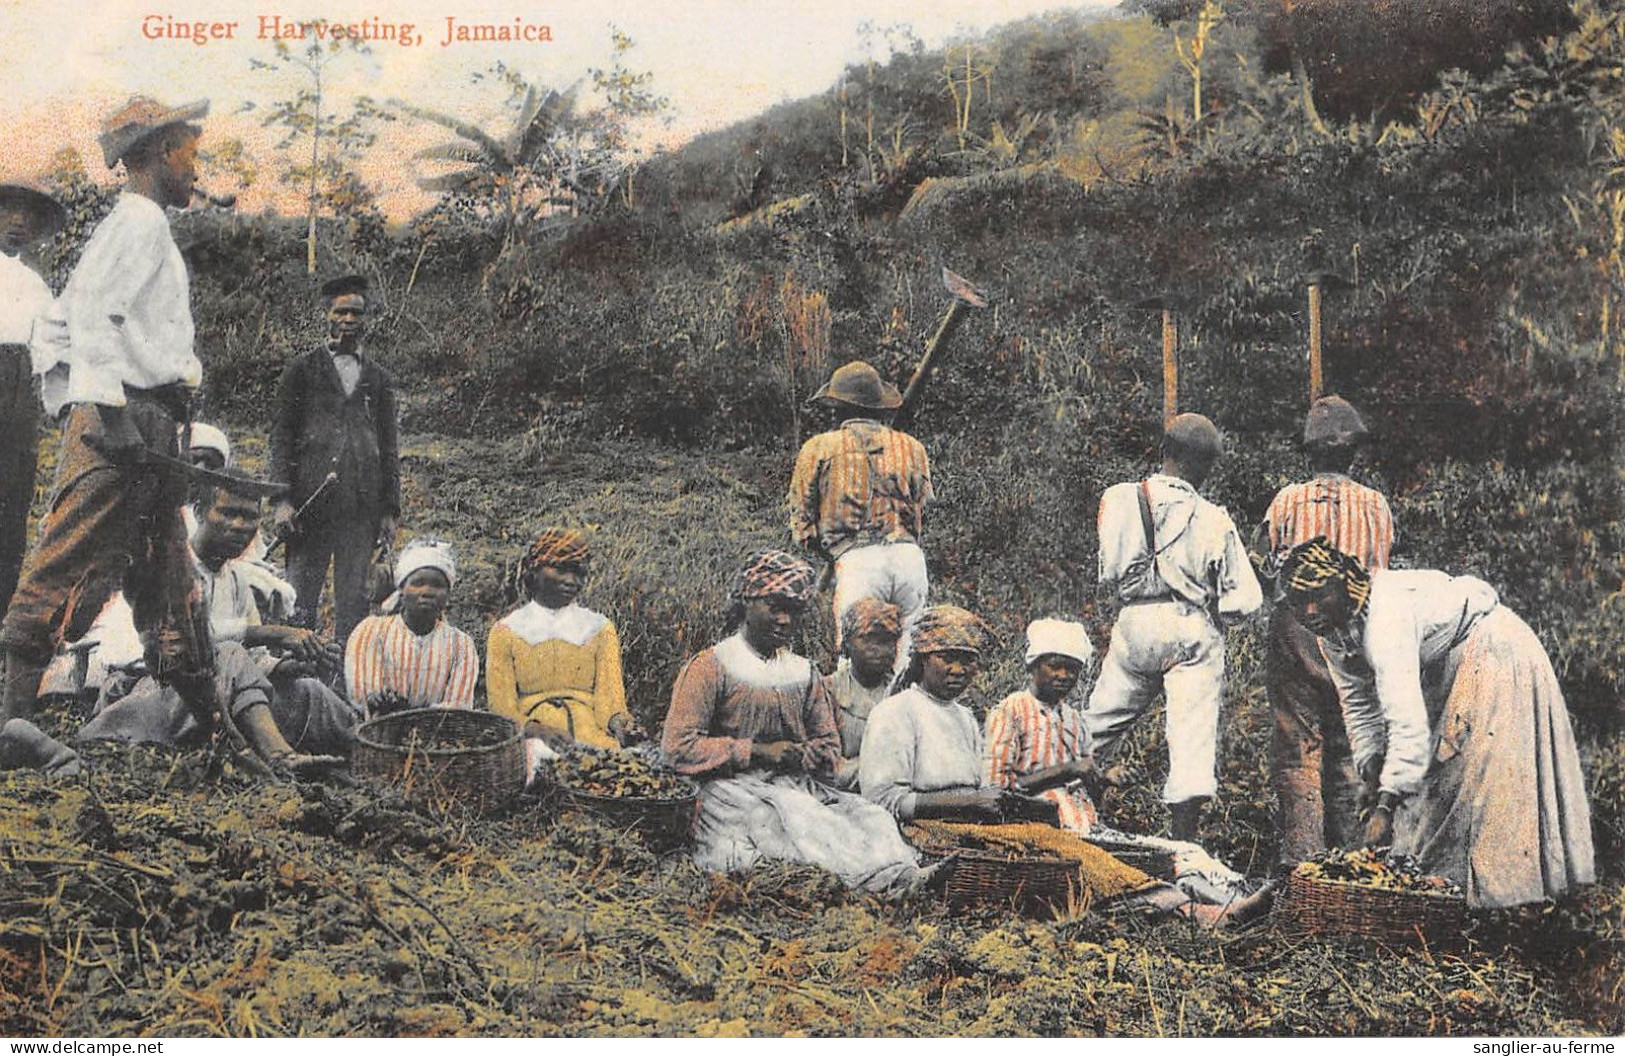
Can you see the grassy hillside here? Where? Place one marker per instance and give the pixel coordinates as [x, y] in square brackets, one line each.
[645, 373]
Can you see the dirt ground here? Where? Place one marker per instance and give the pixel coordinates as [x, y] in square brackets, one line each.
[153, 897]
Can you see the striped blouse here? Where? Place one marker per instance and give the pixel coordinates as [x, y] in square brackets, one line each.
[437, 669]
[858, 485]
[1352, 517]
[1025, 735]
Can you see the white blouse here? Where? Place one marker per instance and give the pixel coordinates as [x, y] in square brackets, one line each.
[1412, 619]
[916, 743]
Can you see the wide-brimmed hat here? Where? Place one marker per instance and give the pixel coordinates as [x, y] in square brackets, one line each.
[859, 384]
[49, 216]
[1333, 420]
[140, 118]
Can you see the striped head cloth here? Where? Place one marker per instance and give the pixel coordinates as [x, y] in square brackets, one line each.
[1312, 565]
[944, 628]
[556, 546]
[871, 616]
[775, 574]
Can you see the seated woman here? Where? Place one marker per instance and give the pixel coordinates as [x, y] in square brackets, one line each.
[923, 755]
[1457, 722]
[1037, 743]
[411, 657]
[750, 719]
[553, 666]
[870, 631]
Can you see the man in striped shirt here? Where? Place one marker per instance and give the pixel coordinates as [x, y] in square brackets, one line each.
[411, 657]
[1316, 787]
[858, 497]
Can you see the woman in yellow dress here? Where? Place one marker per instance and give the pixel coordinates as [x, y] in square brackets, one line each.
[554, 666]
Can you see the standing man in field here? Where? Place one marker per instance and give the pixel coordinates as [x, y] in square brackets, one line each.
[27, 218]
[1183, 576]
[125, 368]
[858, 497]
[336, 414]
[1316, 787]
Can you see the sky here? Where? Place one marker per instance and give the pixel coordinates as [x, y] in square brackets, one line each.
[718, 61]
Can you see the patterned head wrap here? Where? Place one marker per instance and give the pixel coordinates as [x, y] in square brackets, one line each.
[943, 628]
[1312, 565]
[556, 546]
[1060, 638]
[871, 616]
[775, 574]
[425, 553]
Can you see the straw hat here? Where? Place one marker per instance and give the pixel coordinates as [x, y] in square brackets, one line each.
[859, 384]
[140, 118]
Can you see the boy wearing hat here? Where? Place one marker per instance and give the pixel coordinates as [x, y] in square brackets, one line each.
[858, 496]
[122, 362]
[1316, 787]
[1182, 575]
[336, 414]
[27, 217]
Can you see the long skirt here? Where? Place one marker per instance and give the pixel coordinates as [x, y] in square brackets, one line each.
[756, 815]
[1503, 811]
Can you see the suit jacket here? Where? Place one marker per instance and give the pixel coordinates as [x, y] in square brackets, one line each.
[320, 430]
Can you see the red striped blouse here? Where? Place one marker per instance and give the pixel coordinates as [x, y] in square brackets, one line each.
[437, 669]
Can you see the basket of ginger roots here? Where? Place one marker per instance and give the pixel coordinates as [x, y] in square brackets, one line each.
[625, 791]
[1365, 893]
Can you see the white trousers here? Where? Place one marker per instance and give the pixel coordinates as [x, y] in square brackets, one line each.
[891, 572]
[1168, 647]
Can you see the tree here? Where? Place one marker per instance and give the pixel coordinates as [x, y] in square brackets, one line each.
[628, 98]
[309, 114]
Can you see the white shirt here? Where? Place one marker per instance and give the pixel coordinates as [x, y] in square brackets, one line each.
[127, 312]
[916, 743]
[348, 366]
[24, 297]
[1198, 548]
[230, 599]
[1411, 619]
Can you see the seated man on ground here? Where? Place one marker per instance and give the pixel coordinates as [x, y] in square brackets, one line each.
[750, 720]
[411, 656]
[253, 659]
[870, 631]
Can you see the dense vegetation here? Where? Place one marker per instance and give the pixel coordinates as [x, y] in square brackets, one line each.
[643, 370]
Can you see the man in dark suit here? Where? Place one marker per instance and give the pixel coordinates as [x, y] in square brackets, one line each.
[336, 414]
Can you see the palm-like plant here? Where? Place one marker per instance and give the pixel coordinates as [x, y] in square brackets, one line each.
[550, 166]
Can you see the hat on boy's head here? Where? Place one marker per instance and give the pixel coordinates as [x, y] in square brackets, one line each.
[1060, 638]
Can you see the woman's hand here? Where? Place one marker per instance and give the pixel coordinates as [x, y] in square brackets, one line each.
[626, 730]
[778, 755]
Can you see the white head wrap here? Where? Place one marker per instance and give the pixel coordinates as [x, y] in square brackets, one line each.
[425, 553]
[1061, 637]
[206, 437]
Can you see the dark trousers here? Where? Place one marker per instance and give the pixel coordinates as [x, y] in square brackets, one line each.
[19, 456]
[1316, 785]
[113, 527]
[347, 544]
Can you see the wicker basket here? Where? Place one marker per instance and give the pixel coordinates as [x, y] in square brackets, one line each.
[662, 824]
[433, 755]
[1035, 886]
[1317, 906]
